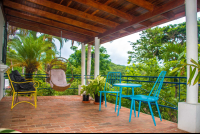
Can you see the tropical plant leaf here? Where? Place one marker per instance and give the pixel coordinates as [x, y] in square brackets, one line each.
[194, 62]
[196, 79]
[177, 68]
[192, 72]
[181, 55]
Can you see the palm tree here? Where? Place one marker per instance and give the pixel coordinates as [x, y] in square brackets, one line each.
[30, 52]
[12, 31]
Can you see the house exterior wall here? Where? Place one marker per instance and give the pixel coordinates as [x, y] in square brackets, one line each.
[2, 22]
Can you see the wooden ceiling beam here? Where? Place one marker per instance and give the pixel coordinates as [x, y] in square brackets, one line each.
[104, 4]
[46, 31]
[129, 29]
[117, 36]
[159, 10]
[74, 12]
[69, 3]
[87, 9]
[144, 28]
[143, 3]
[42, 26]
[60, 3]
[108, 2]
[49, 22]
[122, 31]
[124, 34]
[95, 12]
[52, 16]
[179, 15]
[146, 23]
[168, 15]
[106, 8]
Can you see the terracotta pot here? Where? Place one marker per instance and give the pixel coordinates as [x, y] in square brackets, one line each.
[97, 103]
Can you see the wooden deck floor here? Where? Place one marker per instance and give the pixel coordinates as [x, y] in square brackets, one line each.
[67, 114]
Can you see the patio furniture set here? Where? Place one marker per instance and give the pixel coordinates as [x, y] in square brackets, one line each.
[22, 86]
[114, 79]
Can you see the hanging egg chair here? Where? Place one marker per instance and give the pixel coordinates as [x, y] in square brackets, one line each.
[58, 67]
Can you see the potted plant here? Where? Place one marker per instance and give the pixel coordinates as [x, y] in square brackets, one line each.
[95, 86]
[85, 92]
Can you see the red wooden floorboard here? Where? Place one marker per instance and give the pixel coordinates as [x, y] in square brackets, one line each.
[67, 114]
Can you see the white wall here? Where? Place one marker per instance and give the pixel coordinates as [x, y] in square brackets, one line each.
[2, 22]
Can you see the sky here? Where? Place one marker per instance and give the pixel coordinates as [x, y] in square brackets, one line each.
[118, 49]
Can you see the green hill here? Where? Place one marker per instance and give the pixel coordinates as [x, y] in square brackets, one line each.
[117, 68]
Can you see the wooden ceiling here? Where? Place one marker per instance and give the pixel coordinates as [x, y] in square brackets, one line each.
[82, 20]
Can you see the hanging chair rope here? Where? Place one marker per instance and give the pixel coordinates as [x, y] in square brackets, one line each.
[61, 43]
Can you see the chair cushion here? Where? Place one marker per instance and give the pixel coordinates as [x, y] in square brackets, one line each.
[16, 73]
[27, 87]
[15, 86]
[15, 76]
[144, 98]
[18, 77]
[58, 78]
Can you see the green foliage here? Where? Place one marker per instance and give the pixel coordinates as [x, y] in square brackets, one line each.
[104, 61]
[75, 60]
[148, 46]
[30, 52]
[85, 90]
[46, 89]
[8, 92]
[161, 49]
[164, 43]
[193, 68]
[116, 68]
[95, 86]
[148, 68]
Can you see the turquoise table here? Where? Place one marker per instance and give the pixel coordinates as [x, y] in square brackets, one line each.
[121, 85]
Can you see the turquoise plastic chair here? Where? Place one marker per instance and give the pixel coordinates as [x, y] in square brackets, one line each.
[152, 97]
[112, 78]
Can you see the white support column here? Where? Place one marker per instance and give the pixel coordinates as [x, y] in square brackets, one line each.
[188, 112]
[82, 67]
[96, 62]
[82, 64]
[89, 62]
[192, 46]
[2, 22]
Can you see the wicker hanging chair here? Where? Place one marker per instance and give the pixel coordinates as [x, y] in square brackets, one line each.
[58, 67]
